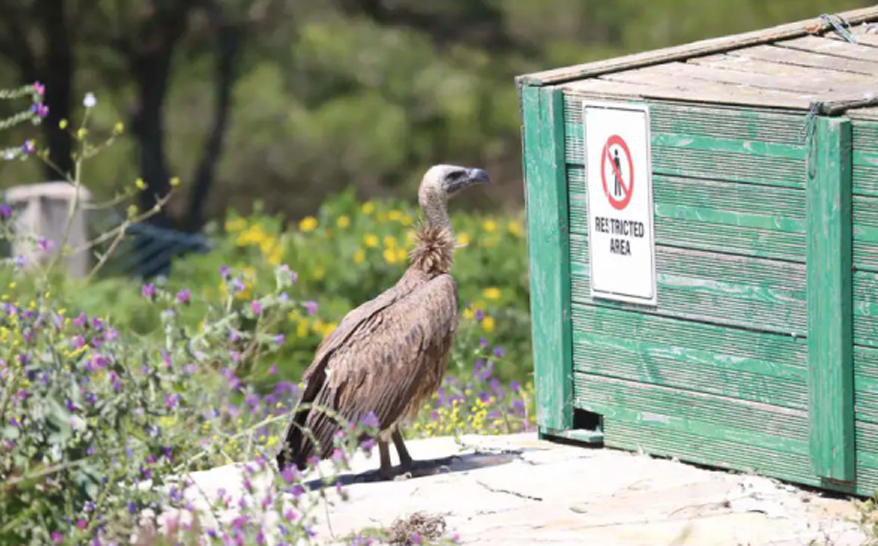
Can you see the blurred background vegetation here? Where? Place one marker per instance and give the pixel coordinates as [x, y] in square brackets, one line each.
[291, 100]
[300, 129]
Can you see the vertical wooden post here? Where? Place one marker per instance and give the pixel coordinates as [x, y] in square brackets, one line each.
[830, 312]
[548, 255]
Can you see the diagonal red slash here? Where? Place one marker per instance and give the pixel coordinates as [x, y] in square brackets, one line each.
[616, 171]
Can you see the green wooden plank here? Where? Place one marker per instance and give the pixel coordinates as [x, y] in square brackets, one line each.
[865, 387]
[716, 216]
[830, 328]
[707, 415]
[865, 180]
[865, 220]
[865, 309]
[713, 452]
[711, 121]
[749, 220]
[757, 294]
[548, 240]
[698, 357]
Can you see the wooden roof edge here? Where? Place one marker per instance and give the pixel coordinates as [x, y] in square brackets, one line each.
[693, 49]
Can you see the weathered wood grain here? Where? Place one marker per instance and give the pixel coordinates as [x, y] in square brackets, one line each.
[709, 215]
[798, 57]
[865, 230]
[705, 158]
[686, 446]
[760, 295]
[816, 79]
[548, 240]
[693, 91]
[691, 356]
[830, 327]
[686, 51]
[828, 46]
[704, 414]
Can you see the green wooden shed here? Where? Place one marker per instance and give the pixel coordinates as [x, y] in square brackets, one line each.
[703, 250]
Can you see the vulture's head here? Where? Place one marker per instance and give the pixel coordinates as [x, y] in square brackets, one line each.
[443, 181]
[450, 179]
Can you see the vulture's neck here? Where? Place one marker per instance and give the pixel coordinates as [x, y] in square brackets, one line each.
[434, 252]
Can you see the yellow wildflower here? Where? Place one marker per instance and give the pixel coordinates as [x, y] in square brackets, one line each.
[62, 124]
[302, 328]
[394, 215]
[318, 273]
[468, 313]
[308, 223]
[488, 324]
[235, 225]
[343, 221]
[175, 181]
[370, 241]
[390, 241]
[514, 228]
[132, 211]
[381, 217]
[119, 128]
[80, 134]
[141, 185]
[390, 256]
[359, 256]
[401, 254]
[463, 239]
[13, 284]
[491, 293]
[489, 225]
[368, 207]
[272, 440]
[406, 220]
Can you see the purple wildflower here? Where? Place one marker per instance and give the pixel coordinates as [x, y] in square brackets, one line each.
[280, 339]
[184, 296]
[370, 420]
[416, 539]
[483, 342]
[224, 271]
[20, 261]
[514, 386]
[5, 211]
[499, 352]
[81, 321]
[148, 291]
[57, 537]
[78, 342]
[171, 400]
[480, 314]
[237, 285]
[311, 307]
[256, 307]
[39, 88]
[132, 508]
[272, 370]
[29, 147]
[166, 358]
[40, 109]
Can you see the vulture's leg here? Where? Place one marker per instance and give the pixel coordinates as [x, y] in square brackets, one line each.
[386, 471]
[405, 460]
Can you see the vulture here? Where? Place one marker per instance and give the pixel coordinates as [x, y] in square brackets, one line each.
[388, 355]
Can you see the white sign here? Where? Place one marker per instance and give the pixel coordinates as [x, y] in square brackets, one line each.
[620, 227]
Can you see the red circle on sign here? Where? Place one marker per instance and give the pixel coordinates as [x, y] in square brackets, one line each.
[618, 204]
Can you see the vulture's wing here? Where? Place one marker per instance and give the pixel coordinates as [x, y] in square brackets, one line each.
[381, 363]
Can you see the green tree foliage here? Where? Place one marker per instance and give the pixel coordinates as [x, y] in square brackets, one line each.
[326, 95]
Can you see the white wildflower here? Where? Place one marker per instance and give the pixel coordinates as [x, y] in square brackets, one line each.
[89, 101]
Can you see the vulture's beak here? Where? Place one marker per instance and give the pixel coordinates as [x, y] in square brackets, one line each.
[477, 176]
